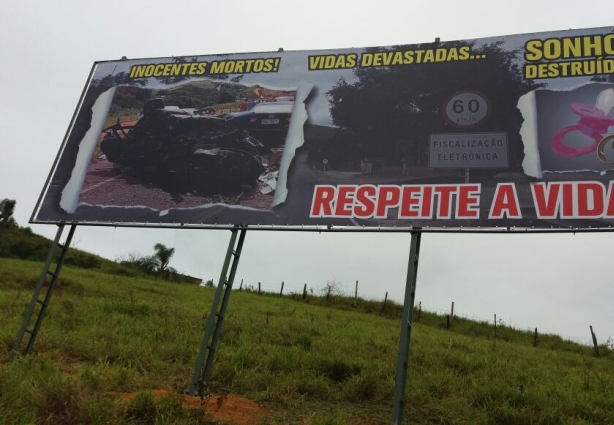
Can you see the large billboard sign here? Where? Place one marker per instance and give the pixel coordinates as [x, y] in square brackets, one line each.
[514, 131]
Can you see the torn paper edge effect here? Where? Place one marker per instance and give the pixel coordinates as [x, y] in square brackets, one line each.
[162, 213]
[294, 140]
[531, 163]
[70, 194]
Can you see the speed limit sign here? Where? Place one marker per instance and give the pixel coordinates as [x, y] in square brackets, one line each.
[467, 109]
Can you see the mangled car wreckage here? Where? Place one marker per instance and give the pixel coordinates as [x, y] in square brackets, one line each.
[193, 149]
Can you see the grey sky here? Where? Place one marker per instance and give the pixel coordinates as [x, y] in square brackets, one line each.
[558, 283]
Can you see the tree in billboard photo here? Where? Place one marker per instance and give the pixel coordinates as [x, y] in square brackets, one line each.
[392, 110]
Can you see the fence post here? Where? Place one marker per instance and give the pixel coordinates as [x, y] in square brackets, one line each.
[595, 345]
[282, 288]
[328, 293]
[452, 311]
[356, 291]
[419, 311]
[305, 291]
[241, 286]
[258, 287]
[385, 300]
[495, 326]
[535, 338]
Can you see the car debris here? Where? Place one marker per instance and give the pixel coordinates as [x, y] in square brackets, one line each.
[197, 152]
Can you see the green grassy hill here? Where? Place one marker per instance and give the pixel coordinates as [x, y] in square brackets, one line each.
[21, 243]
[304, 362]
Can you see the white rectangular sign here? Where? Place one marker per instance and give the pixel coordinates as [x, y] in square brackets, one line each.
[468, 150]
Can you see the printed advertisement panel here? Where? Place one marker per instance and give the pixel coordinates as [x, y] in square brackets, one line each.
[514, 131]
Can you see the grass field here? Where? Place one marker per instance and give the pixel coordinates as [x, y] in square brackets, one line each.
[302, 362]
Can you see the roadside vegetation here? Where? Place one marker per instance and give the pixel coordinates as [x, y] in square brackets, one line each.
[305, 362]
[111, 331]
[21, 243]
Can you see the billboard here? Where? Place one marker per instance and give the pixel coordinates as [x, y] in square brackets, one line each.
[513, 131]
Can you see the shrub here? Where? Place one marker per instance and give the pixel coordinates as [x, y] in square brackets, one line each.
[338, 371]
[142, 409]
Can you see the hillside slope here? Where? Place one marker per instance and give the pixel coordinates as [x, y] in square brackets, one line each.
[303, 362]
[21, 243]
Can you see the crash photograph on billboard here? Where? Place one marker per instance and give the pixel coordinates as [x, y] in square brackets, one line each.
[512, 131]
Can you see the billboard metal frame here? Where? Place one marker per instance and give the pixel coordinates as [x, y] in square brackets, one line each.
[352, 229]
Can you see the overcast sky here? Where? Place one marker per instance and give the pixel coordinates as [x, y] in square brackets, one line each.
[557, 283]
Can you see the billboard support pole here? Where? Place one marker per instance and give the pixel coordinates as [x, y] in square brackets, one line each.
[216, 316]
[406, 325]
[36, 296]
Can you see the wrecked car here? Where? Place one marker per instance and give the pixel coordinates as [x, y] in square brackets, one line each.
[195, 151]
[268, 121]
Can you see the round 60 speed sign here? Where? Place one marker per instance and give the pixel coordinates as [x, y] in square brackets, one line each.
[466, 109]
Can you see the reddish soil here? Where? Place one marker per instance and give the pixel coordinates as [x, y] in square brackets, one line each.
[107, 184]
[234, 409]
[227, 408]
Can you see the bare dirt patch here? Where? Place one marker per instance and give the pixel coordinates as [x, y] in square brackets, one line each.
[227, 408]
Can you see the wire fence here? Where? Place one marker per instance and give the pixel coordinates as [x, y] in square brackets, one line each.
[337, 289]
[501, 321]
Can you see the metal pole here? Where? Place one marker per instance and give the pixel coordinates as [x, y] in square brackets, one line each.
[220, 316]
[39, 286]
[45, 303]
[211, 319]
[406, 325]
[216, 316]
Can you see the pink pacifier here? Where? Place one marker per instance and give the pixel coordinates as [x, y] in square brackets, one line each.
[594, 123]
